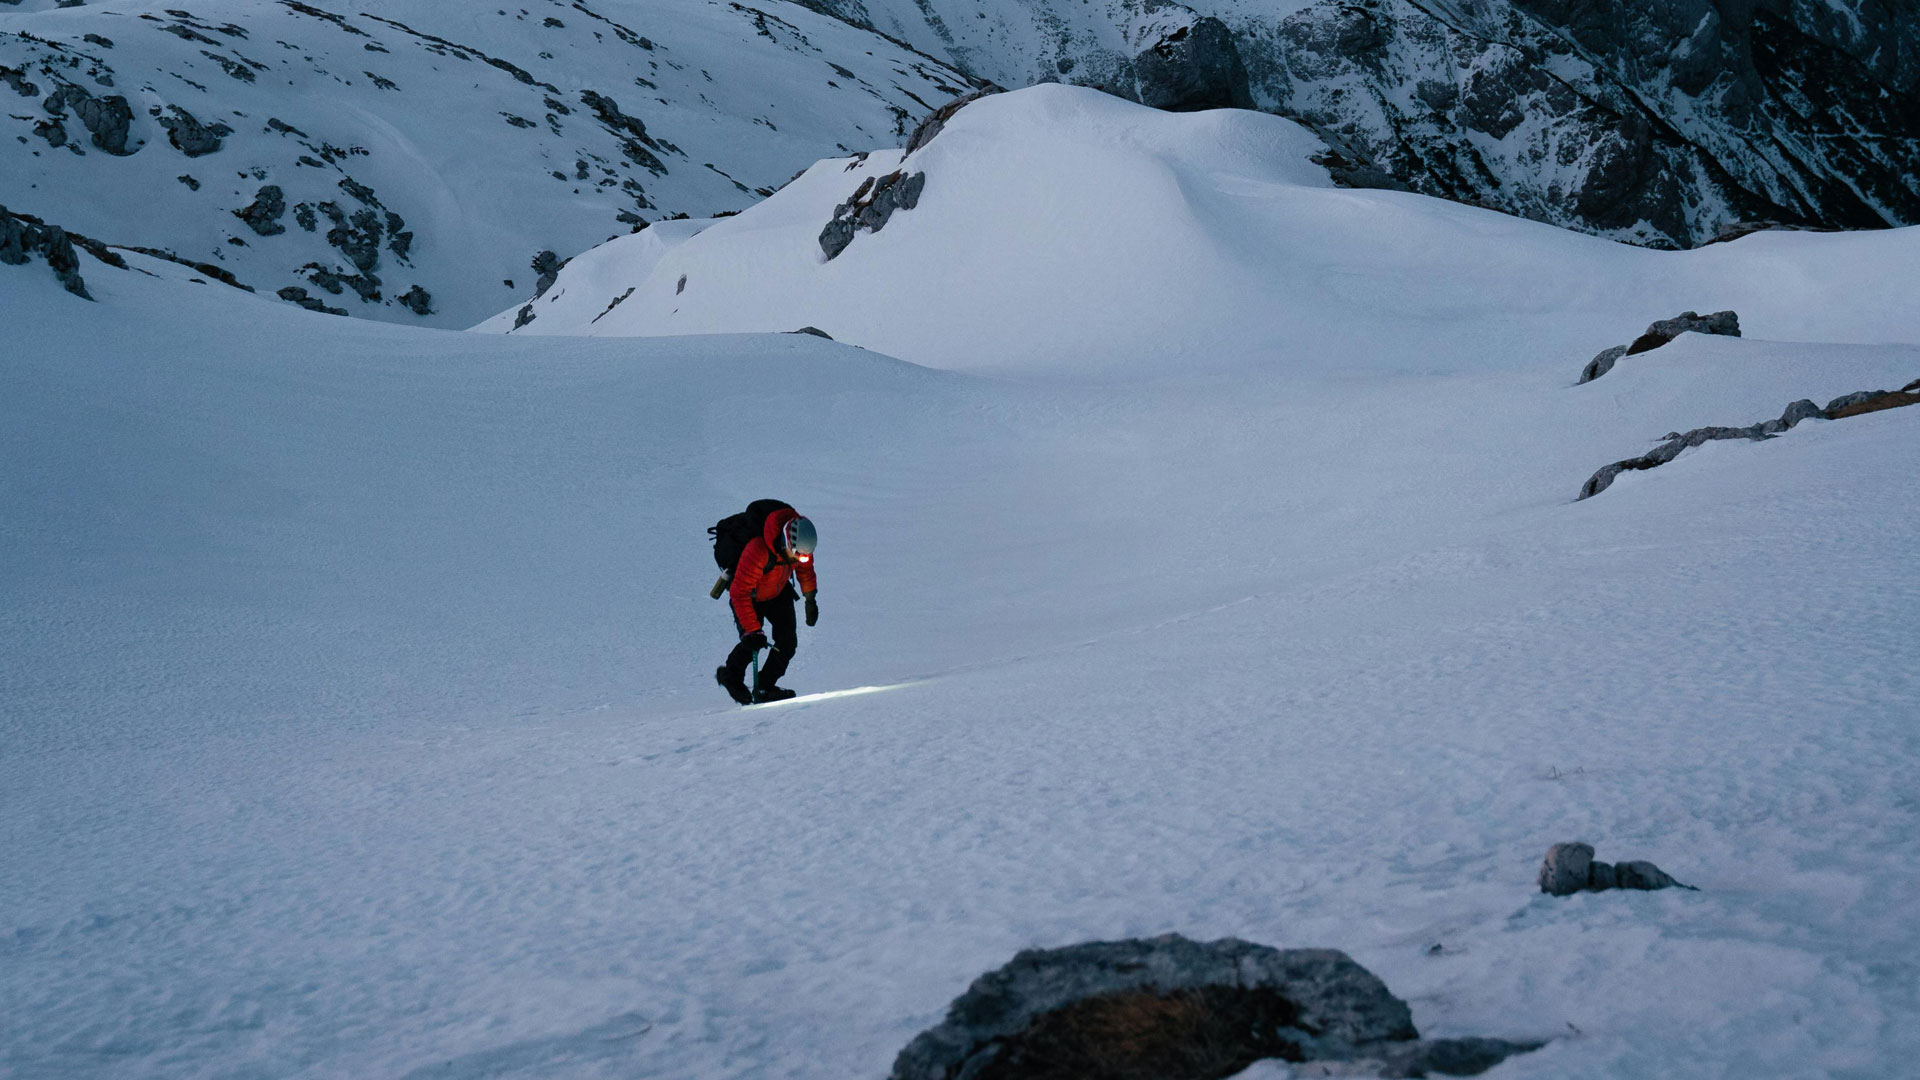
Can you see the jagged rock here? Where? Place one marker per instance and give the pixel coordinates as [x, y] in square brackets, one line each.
[936, 121]
[356, 236]
[17, 78]
[1570, 868]
[814, 330]
[523, 317]
[366, 287]
[108, 119]
[1672, 443]
[548, 265]
[189, 136]
[416, 300]
[23, 236]
[634, 140]
[296, 295]
[1184, 62]
[870, 207]
[264, 213]
[1722, 323]
[1175, 1009]
[1663, 125]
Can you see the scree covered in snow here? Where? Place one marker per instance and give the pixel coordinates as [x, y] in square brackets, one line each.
[1202, 539]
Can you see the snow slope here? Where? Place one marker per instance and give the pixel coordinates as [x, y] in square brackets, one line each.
[486, 134]
[354, 713]
[1065, 229]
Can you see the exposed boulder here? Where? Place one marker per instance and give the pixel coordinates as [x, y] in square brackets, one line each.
[1184, 62]
[1570, 868]
[416, 300]
[870, 207]
[814, 331]
[264, 213]
[188, 135]
[548, 266]
[1723, 323]
[1170, 1008]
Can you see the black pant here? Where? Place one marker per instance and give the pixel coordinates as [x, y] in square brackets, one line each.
[777, 614]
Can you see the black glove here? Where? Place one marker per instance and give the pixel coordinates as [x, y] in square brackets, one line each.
[813, 610]
[754, 640]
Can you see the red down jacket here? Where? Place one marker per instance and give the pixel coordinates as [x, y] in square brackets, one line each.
[762, 576]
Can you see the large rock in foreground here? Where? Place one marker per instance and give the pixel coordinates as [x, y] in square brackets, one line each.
[1169, 1008]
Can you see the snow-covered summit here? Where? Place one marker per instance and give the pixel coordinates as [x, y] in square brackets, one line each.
[1062, 230]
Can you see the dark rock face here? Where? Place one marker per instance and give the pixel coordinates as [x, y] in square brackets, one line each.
[1190, 64]
[108, 119]
[1722, 323]
[1170, 1008]
[870, 207]
[23, 237]
[1664, 125]
[1570, 868]
[264, 213]
[188, 135]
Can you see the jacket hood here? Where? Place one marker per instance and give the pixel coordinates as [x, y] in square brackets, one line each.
[771, 531]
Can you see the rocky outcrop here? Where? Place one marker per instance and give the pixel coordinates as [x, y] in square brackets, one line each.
[870, 207]
[23, 236]
[188, 135]
[1722, 323]
[1663, 125]
[936, 121]
[1183, 62]
[547, 265]
[264, 213]
[1671, 444]
[416, 300]
[294, 294]
[1175, 1009]
[108, 119]
[1570, 868]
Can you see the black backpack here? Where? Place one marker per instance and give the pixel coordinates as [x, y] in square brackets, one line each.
[732, 534]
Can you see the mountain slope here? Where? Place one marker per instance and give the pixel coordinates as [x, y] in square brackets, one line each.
[404, 160]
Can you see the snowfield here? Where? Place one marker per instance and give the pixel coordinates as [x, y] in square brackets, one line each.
[356, 713]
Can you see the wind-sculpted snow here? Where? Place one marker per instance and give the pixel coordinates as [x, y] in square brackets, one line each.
[424, 149]
[1060, 229]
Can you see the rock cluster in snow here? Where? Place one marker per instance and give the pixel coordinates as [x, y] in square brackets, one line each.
[870, 207]
[1723, 323]
[22, 237]
[1571, 868]
[1672, 443]
[1177, 1009]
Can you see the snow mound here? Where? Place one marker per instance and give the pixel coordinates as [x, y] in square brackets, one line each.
[1063, 231]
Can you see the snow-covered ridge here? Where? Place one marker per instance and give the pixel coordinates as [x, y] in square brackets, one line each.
[1061, 229]
[404, 159]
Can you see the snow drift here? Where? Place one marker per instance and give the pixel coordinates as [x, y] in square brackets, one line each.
[1064, 230]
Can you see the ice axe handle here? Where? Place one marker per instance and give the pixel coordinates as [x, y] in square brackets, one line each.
[720, 586]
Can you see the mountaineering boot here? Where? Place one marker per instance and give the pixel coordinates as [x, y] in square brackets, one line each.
[767, 693]
[735, 682]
